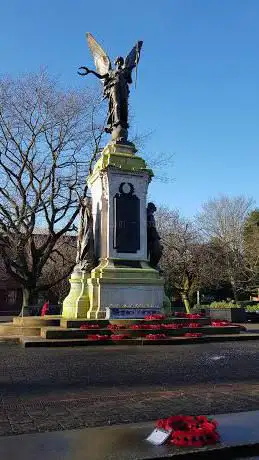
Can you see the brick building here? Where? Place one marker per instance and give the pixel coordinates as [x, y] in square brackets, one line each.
[10, 296]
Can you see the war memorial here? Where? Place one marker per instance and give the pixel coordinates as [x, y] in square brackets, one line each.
[116, 287]
[117, 297]
[117, 235]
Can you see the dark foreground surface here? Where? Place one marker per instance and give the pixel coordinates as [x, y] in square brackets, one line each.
[58, 389]
[239, 438]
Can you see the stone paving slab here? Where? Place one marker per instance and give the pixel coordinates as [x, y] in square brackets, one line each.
[238, 433]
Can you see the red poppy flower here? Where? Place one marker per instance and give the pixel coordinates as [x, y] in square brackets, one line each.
[115, 327]
[98, 337]
[137, 326]
[193, 325]
[155, 336]
[172, 326]
[193, 315]
[153, 326]
[89, 326]
[218, 323]
[161, 423]
[201, 418]
[155, 316]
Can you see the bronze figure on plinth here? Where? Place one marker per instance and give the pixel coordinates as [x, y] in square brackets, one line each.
[116, 85]
[85, 257]
[154, 246]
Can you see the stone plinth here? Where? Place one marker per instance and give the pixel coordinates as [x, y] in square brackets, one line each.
[118, 184]
[111, 285]
[77, 303]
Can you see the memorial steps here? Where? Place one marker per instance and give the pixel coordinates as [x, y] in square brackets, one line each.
[57, 331]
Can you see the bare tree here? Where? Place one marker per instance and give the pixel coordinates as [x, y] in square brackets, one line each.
[46, 140]
[61, 261]
[49, 141]
[222, 221]
[251, 243]
[182, 254]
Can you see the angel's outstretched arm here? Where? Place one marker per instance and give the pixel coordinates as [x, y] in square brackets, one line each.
[87, 71]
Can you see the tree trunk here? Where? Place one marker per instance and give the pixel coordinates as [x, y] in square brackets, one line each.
[234, 289]
[232, 279]
[27, 300]
[186, 302]
[25, 297]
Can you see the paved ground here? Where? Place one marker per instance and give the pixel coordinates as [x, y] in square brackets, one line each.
[56, 389]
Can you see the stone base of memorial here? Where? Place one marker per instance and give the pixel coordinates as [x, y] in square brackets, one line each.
[114, 285]
[129, 312]
[77, 302]
[118, 185]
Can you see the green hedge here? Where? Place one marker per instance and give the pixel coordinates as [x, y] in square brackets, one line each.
[224, 304]
[251, 308]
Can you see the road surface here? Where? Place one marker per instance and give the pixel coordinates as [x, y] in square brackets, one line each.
[44, 389]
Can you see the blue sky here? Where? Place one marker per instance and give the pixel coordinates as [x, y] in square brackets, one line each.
[198, 85]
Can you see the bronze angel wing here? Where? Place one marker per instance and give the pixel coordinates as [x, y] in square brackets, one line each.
[101, 60]
[133, 57]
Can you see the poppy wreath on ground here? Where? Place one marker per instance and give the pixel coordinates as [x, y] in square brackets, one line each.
[155, 316]
[172, 326]
[119, 336]
[89, 326]
[194, 315]
[155, 336]
[179, 314]
[98, 337]
[189, 431]
[193, 334]
[138, 326]
[153, 326]
[193, 325]
[219, 323]
[115, 327]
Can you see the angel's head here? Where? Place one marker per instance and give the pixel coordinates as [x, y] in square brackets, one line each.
[119, 62]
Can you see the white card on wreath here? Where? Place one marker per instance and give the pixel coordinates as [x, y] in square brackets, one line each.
[158, 436]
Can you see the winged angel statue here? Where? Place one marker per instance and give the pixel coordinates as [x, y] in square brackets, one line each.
[116, 85]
